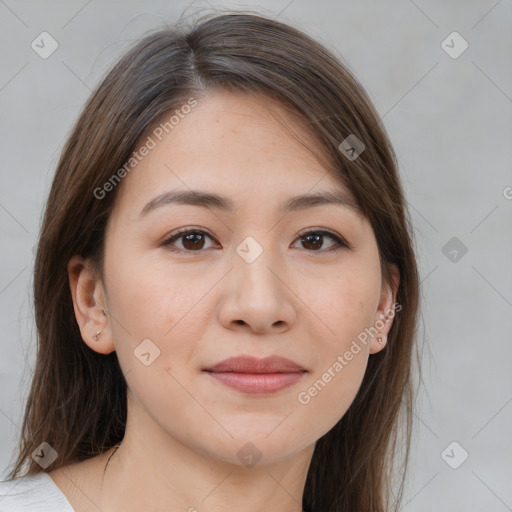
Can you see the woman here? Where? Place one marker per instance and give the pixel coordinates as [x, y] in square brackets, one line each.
[226, 291]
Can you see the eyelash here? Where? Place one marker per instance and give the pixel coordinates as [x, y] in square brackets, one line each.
[340, 243]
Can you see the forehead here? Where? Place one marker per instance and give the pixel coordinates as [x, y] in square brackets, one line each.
[223, 120]
[241, 144]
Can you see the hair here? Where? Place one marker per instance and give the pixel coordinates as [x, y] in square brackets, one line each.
[67, 406]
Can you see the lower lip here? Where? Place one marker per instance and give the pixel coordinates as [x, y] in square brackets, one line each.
[257, 383]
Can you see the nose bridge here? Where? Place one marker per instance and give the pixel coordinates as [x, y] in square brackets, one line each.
[257, 294]
[255, 263]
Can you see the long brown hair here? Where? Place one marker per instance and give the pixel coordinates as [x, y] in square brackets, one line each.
[68, 406]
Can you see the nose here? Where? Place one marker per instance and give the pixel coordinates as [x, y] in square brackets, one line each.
[256, 297]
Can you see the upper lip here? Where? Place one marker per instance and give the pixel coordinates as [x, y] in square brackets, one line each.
[249, 364]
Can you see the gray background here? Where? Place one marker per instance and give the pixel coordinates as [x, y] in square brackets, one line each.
[451, 125]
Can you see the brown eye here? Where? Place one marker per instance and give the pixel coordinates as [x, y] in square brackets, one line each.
[314, 240]
[192, 240]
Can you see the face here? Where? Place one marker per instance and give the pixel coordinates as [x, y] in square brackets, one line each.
[248, 277]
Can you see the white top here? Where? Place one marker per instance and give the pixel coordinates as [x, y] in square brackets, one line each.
[34, 493]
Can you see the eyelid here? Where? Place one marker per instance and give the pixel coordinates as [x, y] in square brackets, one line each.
[179, 233]
[338, 238]
[340, 241]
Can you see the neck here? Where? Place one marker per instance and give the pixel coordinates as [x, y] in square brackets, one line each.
[174, 477]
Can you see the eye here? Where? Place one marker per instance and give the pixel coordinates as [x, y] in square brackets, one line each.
[193, 240]
[314, 240]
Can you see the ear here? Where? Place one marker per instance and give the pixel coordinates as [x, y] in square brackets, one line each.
[386, 311]
[90, 306]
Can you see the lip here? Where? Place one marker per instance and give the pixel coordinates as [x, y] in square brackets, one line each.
[257, 376]
[250, 364]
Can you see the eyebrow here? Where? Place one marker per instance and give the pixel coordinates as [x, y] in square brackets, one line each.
[218, 202]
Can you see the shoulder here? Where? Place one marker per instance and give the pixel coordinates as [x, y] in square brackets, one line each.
[34, 493]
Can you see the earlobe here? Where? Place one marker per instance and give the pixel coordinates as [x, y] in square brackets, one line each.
[89, 305]
[381, 338]
[386, 311]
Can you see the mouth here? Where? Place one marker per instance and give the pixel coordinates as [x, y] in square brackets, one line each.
[255, 376]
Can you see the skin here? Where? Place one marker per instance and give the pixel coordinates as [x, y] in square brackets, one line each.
[304, 303]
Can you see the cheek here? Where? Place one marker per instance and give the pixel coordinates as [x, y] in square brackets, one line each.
[147, 305]
[346, 306]
[327, 396]
[341, 357]
[152, 300]
[142, 293]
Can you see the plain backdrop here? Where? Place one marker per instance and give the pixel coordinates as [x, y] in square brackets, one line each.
[449, 116]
